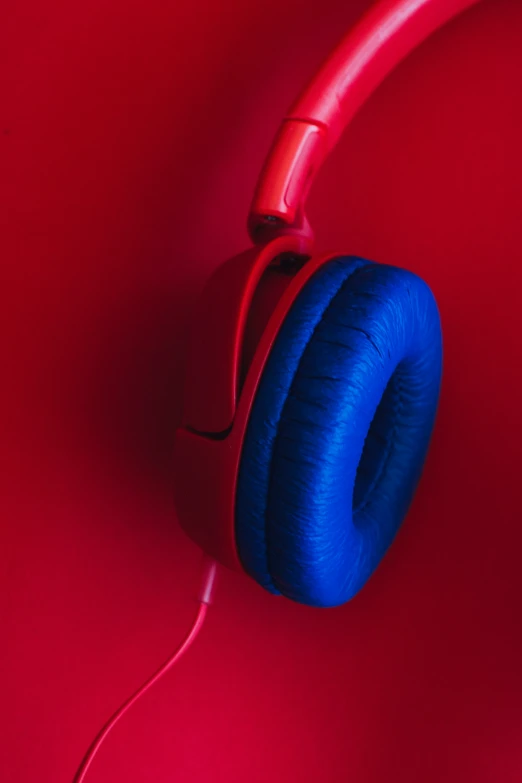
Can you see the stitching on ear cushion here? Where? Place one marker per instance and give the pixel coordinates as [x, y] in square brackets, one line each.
[354, 370]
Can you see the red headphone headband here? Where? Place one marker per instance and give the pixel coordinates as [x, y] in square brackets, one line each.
[366, 55]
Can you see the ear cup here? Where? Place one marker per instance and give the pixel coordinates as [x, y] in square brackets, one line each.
[338, 431]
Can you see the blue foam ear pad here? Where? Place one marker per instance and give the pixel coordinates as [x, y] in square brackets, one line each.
[338, 431]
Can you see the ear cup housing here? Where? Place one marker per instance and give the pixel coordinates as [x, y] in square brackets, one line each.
[338, 431]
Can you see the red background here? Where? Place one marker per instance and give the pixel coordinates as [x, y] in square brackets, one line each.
[131, 136]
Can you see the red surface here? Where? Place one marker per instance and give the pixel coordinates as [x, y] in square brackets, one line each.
[369, 51]
[132, 136]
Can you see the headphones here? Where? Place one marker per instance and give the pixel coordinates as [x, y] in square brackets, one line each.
[312, 382]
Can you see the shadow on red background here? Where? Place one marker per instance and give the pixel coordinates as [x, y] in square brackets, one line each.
[132, 135]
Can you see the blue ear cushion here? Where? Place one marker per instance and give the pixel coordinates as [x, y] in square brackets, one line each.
[338, 431]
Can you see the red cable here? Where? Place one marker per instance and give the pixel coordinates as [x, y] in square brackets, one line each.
[205, 597]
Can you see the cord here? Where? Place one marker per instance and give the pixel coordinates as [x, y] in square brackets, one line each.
[205, 596]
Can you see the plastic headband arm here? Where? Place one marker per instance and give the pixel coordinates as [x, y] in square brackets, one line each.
[367, 54]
